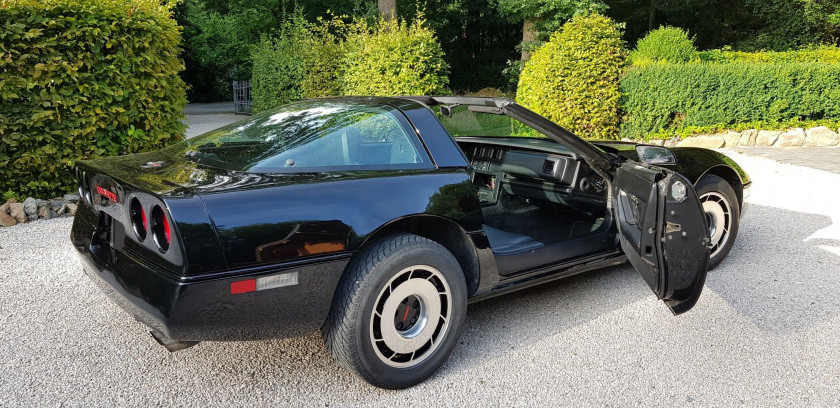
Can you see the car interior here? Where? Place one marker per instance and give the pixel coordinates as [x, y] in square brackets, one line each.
[540, 201]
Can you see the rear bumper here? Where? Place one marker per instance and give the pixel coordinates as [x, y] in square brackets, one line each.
[204, 310]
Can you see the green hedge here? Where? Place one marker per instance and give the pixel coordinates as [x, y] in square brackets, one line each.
[665, 44]
[665, 98]
[332, 58]
[80, 79]
[828, 54]
[574, 78]
[391, 58]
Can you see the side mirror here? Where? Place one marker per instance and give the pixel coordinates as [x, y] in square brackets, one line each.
[446, 110]
[655, 155]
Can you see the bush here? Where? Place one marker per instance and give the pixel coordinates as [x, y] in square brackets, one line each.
[827, 54]
[391, 58]
[82, 79]
[574, 78]
[278, 68]
[665, 44]
[670, 97]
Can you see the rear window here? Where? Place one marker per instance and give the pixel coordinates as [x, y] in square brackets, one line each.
[314, 136]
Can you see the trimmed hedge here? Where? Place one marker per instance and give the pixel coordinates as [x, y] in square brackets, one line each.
[279, 66]
[81, 79]
[391, 58]
[665, 98]
[574, 78]
[331, 58]
[828, 54]
[665, 44]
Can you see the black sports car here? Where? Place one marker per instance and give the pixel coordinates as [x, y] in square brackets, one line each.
[364, 217]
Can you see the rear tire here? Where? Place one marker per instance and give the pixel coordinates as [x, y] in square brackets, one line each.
[398, 311]
[723, 215]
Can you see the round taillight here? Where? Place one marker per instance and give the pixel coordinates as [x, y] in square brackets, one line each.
[138, 219]
[160, 229]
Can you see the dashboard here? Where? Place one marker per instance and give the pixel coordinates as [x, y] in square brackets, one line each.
[531, 168]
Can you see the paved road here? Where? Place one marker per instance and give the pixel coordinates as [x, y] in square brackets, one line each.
[204, 117]
[766, 332]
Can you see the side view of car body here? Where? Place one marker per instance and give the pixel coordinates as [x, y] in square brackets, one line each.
[363, 217]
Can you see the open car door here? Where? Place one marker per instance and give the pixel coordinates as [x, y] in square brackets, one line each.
[662, 230]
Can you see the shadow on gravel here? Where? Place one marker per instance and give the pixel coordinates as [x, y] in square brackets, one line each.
[776, 276]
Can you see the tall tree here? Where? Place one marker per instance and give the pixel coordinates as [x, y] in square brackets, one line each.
[387, 9]
[539, 18]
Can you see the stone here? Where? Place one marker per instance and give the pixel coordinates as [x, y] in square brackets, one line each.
[30, 207]
[792, 138]
[704, 141]
[821, 136]
[672, 142]
[657, 142]
[17, 212]
[731, 138]
[11, 200]
[73, 198]
[7, 220]
[55, 205]
[748, 137]
[53, 214]
[4, 209]
[766, 138]
[44, 212]
[71, 209]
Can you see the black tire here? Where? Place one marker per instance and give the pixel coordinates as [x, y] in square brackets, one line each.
[360, 331]
[718, 198]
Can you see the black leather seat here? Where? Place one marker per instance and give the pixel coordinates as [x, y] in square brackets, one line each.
[503, 242]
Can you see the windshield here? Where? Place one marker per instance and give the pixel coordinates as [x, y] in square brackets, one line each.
[313, 136]
[465, 122]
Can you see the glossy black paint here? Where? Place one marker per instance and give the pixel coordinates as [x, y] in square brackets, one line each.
[230, 225]
[693, 163]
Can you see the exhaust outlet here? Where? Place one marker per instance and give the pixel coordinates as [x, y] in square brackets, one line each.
[170, 344]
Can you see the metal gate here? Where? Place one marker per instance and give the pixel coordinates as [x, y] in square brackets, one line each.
[242, 97]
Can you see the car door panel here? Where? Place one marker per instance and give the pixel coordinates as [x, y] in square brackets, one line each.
[662, 231]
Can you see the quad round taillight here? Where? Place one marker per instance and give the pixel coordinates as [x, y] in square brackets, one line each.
[138, 219]
[160, 229]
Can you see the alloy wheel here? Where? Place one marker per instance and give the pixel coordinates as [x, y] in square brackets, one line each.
[411, 316]
[718, 212]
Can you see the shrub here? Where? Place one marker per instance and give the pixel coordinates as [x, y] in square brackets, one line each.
[665, 44]
[574, 78]
[393, 58]
[323, 55]
[278, 68]
[82, 79]
[670, 97]
[827, 54]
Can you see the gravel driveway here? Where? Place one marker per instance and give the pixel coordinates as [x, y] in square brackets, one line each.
[765, 332]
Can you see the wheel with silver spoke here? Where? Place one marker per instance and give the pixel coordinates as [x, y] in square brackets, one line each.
[410, 317]
[719, 218]
[722, 210]
[398, 311]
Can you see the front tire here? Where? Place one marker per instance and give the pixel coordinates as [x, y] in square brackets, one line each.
[398, 311]
[723, 215]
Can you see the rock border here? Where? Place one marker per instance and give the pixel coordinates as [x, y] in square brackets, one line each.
[31, 209]
[820, 136]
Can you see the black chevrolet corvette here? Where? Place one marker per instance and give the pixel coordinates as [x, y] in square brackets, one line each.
[365, 218]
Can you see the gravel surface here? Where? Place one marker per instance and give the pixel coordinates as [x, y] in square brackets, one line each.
[765, 332]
